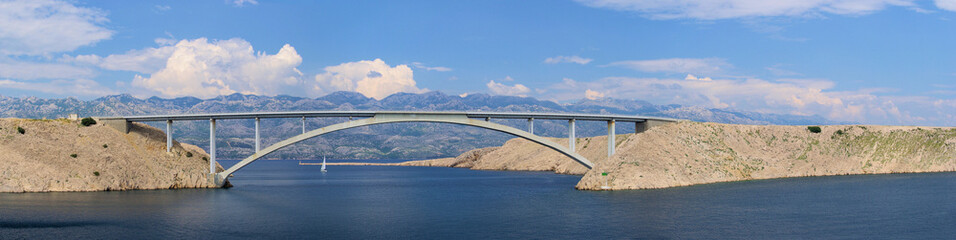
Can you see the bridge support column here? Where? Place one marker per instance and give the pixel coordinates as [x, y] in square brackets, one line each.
[120, 125]
[303, 124]
[257, 134]
[610, 138]
[531, 125]
[212, 145]
[571, 138]
[640, 127]
[169, 135]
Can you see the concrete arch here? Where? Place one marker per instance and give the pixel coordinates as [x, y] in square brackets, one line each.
[382, 118]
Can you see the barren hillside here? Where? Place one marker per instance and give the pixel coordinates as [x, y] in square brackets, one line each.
[688, 153]
[62, 155]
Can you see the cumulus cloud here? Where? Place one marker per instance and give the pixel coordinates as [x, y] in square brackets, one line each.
[77, 87]
[438, 69]
[730, 9]
[593, 95]
[676, 65]
[38, 27]
[502, 89]
[567, 59]
[374, 79]
[949, 5]
[202, 68]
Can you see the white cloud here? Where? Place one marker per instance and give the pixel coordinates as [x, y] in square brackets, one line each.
[567, 59]
[240, 3]
[677, 65]
[422, 66]
[373, 79]
[792, 96]
[78, 87]
[38, 27]
[33, 70]
[593, 95]
[162, 8]
[949, 5]
[207, 69]
[148, 60]
[695, 78]
[730, 9]
[501, 89]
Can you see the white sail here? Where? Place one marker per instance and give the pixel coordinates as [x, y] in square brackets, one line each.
[323, 164]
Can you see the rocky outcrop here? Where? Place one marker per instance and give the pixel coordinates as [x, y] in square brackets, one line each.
[688, 153]
[62, 155]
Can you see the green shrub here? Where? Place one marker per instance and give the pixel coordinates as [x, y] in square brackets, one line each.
[73, 155]
[105, 146]
[814, 129]
[189, 154]
[87, 121]
[96, 174]
[839, 132]
[21, 130]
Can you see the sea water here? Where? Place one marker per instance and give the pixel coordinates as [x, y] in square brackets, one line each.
[280, 199]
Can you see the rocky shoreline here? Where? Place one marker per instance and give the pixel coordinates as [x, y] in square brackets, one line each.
[65, 156]
[689, 153]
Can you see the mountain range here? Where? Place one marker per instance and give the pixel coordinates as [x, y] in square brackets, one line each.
[392, 141]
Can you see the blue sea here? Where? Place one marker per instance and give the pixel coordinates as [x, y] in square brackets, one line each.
[282, 200]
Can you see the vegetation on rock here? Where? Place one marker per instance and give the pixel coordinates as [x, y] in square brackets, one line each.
[87, 121]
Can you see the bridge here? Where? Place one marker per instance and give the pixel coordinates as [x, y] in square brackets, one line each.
[367, 118]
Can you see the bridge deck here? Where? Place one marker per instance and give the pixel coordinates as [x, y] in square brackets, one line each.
[368, 114]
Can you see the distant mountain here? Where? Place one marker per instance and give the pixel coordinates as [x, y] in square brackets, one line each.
[404, 140]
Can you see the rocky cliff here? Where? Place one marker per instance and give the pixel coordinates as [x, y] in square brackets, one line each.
[62, 155]
[688, 153]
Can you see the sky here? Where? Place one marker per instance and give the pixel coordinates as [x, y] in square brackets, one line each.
[867, 61]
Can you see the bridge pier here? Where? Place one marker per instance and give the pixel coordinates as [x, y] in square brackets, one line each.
[120, 124]
[531, 125]
[303, 124]
[571, 138]
[640, 127]
[169, 135]
[610, 138]
[212, 145]
[257, 134]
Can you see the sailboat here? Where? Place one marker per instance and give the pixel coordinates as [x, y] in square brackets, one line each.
[323, 164]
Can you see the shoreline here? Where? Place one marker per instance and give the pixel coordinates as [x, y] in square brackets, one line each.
[693, 153]
[60, 155]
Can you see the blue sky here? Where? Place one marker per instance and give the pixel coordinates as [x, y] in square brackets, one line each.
[869, 61]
